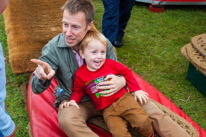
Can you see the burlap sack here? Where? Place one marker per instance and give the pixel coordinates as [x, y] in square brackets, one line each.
[196, 57]
[185, 53]
[29, 25]
[199, 43]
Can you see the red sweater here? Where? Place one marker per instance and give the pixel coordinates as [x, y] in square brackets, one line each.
[85, 82]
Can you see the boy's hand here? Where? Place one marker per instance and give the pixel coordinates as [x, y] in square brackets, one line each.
[70, 103]
[141, 96]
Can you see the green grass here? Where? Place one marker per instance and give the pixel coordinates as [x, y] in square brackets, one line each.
[152, 44]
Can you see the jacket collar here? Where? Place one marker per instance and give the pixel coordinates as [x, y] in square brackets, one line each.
[62, 42]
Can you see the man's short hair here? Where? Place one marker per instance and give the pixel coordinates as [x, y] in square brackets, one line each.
[85, 6]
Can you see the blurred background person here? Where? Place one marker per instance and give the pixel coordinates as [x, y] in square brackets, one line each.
[115, 18]
[7, 125]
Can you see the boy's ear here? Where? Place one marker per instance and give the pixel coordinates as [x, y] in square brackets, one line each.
[81, 54]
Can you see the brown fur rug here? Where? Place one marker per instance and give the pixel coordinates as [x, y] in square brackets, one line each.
[29, 25]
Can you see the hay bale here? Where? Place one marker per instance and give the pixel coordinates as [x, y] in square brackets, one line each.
[29, 25]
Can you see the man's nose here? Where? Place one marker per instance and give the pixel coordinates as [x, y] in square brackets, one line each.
[69, 31]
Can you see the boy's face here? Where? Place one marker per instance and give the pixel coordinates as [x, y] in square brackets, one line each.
[94, 55]
[74, 27]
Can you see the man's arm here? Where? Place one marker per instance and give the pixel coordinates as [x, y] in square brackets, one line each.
[42, 73]
[110, 51]
[47, 65]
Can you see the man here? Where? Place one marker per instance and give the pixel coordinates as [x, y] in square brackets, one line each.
[7, 125]
[115, 18]
[60, 59]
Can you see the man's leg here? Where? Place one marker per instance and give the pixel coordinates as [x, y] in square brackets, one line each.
[162, 123]
[73, 121]
[125, 12]
[110, 21]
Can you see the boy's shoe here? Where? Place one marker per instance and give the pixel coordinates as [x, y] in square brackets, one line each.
[13, 134]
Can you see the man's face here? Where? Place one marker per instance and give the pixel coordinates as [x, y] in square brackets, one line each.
[74, 27]
[94, 55]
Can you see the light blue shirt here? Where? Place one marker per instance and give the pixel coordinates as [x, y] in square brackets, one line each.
[7, 125]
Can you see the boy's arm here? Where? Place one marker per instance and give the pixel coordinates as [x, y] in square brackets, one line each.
[78, 89]
[139, 95]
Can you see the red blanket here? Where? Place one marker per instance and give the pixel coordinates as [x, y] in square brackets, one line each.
[43, 116]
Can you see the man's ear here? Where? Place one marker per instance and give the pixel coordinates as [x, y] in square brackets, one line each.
[90, 25]
[81, 54]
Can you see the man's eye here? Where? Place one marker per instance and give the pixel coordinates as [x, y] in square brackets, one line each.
[75, 27]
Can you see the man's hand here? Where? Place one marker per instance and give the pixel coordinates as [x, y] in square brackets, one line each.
[141, 96]
[43, 70]
[112, 84]
[70, 103]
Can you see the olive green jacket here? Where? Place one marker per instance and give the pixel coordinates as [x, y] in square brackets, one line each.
[62, 60]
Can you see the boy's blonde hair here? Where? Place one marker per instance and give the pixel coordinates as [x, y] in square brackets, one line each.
[92, 35]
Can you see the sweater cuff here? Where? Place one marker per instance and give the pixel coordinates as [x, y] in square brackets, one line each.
[9, 130]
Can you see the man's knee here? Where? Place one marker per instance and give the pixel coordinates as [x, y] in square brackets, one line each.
[68, 117]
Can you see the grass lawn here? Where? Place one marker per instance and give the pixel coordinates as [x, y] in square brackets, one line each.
[152, 44]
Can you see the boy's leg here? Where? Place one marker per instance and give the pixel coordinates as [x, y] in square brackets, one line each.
[73, 121]
[116, 125]
[7, 125]
[162, 123]
[134, 114]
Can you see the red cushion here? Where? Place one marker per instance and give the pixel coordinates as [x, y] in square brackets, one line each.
[43, 116]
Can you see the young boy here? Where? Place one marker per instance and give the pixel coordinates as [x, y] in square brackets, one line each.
[118, 109]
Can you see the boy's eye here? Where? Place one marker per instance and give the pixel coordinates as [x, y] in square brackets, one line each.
[94, 52]
[103, 51]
